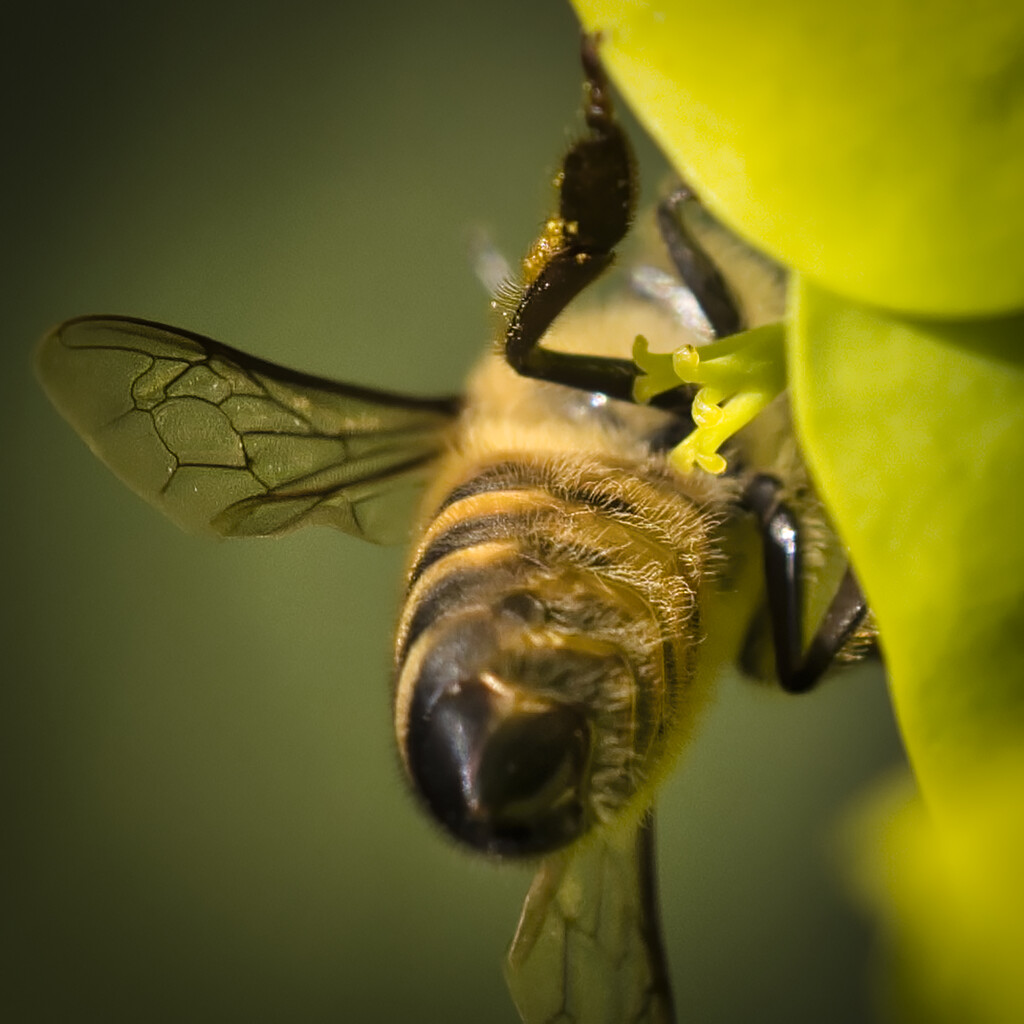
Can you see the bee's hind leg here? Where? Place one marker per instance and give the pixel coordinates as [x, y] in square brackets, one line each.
[798, 669]
[596, 197]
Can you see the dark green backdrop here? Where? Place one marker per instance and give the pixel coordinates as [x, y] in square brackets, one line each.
[205, 820]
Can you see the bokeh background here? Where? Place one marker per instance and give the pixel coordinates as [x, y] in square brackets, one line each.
[204, 818]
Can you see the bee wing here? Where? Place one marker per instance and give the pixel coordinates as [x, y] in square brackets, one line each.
[588, 947]
[232, 445]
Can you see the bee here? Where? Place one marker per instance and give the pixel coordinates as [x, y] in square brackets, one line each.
[570, 597]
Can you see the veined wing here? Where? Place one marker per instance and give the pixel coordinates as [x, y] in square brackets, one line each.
[588, 948]
[225, 443]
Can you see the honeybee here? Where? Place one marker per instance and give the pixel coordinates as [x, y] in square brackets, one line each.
[570, 598]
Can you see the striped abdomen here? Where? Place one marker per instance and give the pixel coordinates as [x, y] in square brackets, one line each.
[546, 646]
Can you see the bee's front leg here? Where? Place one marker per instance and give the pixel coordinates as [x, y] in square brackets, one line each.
[798, 669]
[696, 268]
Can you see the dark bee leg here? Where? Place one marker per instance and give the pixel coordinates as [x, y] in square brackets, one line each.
[595, 206]
[798, 670]
[650, 917]
[696, 268]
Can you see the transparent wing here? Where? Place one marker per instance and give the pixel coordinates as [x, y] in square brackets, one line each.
[229, 444]
[588, 948]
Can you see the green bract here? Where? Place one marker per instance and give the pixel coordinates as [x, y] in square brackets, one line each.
[915, 431]
[877, 147]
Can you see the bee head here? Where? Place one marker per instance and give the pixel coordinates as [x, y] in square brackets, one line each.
[504, 732]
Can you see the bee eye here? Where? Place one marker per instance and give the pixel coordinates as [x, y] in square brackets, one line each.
[502, 771]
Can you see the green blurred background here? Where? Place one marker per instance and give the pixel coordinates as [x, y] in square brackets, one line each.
[204, 815]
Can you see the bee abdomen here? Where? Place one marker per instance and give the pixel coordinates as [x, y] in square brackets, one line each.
[558, 595]
[513, 523]
[647, 500]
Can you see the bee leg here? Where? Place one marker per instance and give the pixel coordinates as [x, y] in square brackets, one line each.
[596, 196]
[798, 670]
[650, 917]
[696, 268]
[844, 614]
